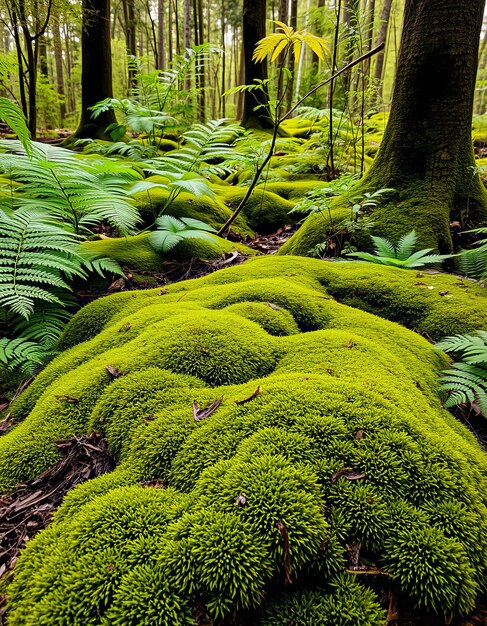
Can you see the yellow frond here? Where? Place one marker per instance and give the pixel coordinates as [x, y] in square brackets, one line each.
[287, 30]
[266, 46]
[317, 44]
[278, 49]
[297, 48]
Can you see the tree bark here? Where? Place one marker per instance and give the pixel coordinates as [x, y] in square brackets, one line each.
[130, 37]
[161, 57]
[379, 61]
[96, 73]
[427, 154]
[253, 30]
[369, 36]
[43, 69]
[58, 58]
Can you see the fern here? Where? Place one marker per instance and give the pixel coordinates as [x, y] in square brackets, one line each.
[10, 113]
[401, 255]
[38, 258]
[206, 150]
[34, 253]
[19, 353]
[172, 231]
[466, 380]
[474, 262]
[80, 192]
[133, 150]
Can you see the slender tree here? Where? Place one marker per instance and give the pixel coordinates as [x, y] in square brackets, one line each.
[96, 75]
[58, 57]
[383, 28]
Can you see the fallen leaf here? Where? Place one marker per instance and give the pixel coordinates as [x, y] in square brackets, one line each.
[200, 414]
[113, 372]
[359, 435]
[347, 473]
[443, 293]
[281, 527]
[355, 476]
[273, 306]
[117, 285]
[336, 475]
[69, 399]
[251, 397]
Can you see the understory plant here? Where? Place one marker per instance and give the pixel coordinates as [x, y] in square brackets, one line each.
[400, 255]
[159, 102]
[361, 205]
[172, 231]
[48, 200]
[473, 262]
[466, 380]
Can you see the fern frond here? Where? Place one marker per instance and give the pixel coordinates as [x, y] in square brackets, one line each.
[13, 116]
[406, 245]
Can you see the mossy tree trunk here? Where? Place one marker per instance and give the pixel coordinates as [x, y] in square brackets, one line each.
[253, 30]
[96, 75]
[427, 154]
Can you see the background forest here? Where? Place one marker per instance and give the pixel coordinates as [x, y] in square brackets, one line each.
[40, 44]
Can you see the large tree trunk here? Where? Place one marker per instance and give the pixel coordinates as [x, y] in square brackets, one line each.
[96, 75]
[253, 30]
[427, 153]
[427, 150]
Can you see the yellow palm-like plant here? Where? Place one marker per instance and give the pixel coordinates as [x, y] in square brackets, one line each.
[272, 45]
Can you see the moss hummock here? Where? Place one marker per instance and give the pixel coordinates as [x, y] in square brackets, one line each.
[136, 253]
[330, 445]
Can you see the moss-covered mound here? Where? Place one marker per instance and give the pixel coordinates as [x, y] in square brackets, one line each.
[212, 211]
[264, 211]
[137, 254]
[329, 456]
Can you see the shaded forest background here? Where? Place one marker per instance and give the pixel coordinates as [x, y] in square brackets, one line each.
[147, 35]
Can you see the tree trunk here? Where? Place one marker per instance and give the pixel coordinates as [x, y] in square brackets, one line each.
[58, 57]
[224, 58]
[293, 22]
[130, 37]
[379, 61]
[200, 76]
[350, 19]
[427, 154]
[253, 30]
[43, 69]
[161, 57]
[369, 34]
[96, 74]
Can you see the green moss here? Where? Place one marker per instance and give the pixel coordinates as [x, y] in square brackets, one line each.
[136, 253]
[255, 492]
[264, 211]
[212, 211]
[294, 190]
[314, 231]
[273, 318]
[344, 603]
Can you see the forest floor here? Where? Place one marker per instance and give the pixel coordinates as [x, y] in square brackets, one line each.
[30, 508]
